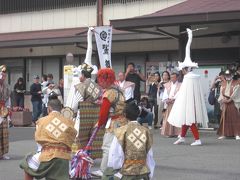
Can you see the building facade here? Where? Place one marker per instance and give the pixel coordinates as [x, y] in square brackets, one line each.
[35, 36]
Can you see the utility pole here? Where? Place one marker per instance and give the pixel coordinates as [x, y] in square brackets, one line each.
[99, 12]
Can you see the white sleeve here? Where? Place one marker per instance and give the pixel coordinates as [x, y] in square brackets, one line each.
[165, 95]
[73, 101]
[76, 99]
[44, 90]
[128, 93]
[150, 162]
[116, 155]
[8, 103]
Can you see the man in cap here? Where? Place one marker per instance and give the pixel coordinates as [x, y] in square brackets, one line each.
[229, 100]
[5, 104]
[189, 107]
[36, 99]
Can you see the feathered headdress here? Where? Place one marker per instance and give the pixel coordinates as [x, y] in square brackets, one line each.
[187, 61]
[87, 64]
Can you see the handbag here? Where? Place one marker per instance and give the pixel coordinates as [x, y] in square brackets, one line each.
[211, 97]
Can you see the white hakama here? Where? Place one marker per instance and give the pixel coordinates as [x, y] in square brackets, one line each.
[189, 107]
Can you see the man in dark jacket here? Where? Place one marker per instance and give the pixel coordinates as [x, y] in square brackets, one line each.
[36, 99]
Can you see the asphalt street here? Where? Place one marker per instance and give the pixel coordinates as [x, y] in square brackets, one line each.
[214, 160]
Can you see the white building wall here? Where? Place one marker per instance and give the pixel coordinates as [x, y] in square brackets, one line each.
[50, 19]
[51, 66]
[132, 9]
[118, 64]
[34, 67]
[78, 16]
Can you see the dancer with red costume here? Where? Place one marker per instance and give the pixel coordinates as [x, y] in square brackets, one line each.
[111, 112]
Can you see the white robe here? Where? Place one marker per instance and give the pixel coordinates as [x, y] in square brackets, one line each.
[74, 97]
[189, 106]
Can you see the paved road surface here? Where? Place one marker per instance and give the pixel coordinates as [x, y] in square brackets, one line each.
[215, 160]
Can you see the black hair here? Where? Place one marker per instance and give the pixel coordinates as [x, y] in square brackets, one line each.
[238, 66]
[86, 74]
[52, 95]
[144, 99]
[44, 76]
[158, 75]
[55, 104]
[175, 73]
[50, 76]
[132, 111]
[221, 73]
[131, 63]
[167, 74]
[20, 80]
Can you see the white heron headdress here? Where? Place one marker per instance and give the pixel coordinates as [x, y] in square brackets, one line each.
[187, 61]
[87, 64]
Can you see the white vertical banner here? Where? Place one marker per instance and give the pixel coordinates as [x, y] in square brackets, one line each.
[103, 36]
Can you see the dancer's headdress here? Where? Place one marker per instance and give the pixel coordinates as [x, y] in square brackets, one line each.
[187, 61]
[87, 64]
[106, 75]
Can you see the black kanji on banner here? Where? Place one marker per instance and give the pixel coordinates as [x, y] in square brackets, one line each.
[105, 48]
[107, 63]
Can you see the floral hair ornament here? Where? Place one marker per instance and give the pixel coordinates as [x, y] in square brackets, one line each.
[106, 75]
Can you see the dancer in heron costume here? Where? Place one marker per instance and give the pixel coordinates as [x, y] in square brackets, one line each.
[189, 108]
[82, 102]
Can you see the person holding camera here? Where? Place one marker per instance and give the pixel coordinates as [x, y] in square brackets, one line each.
[152, 95]
[136, 77]
[229, 100]
[215, 89]
[146, 116]
[53, 88]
